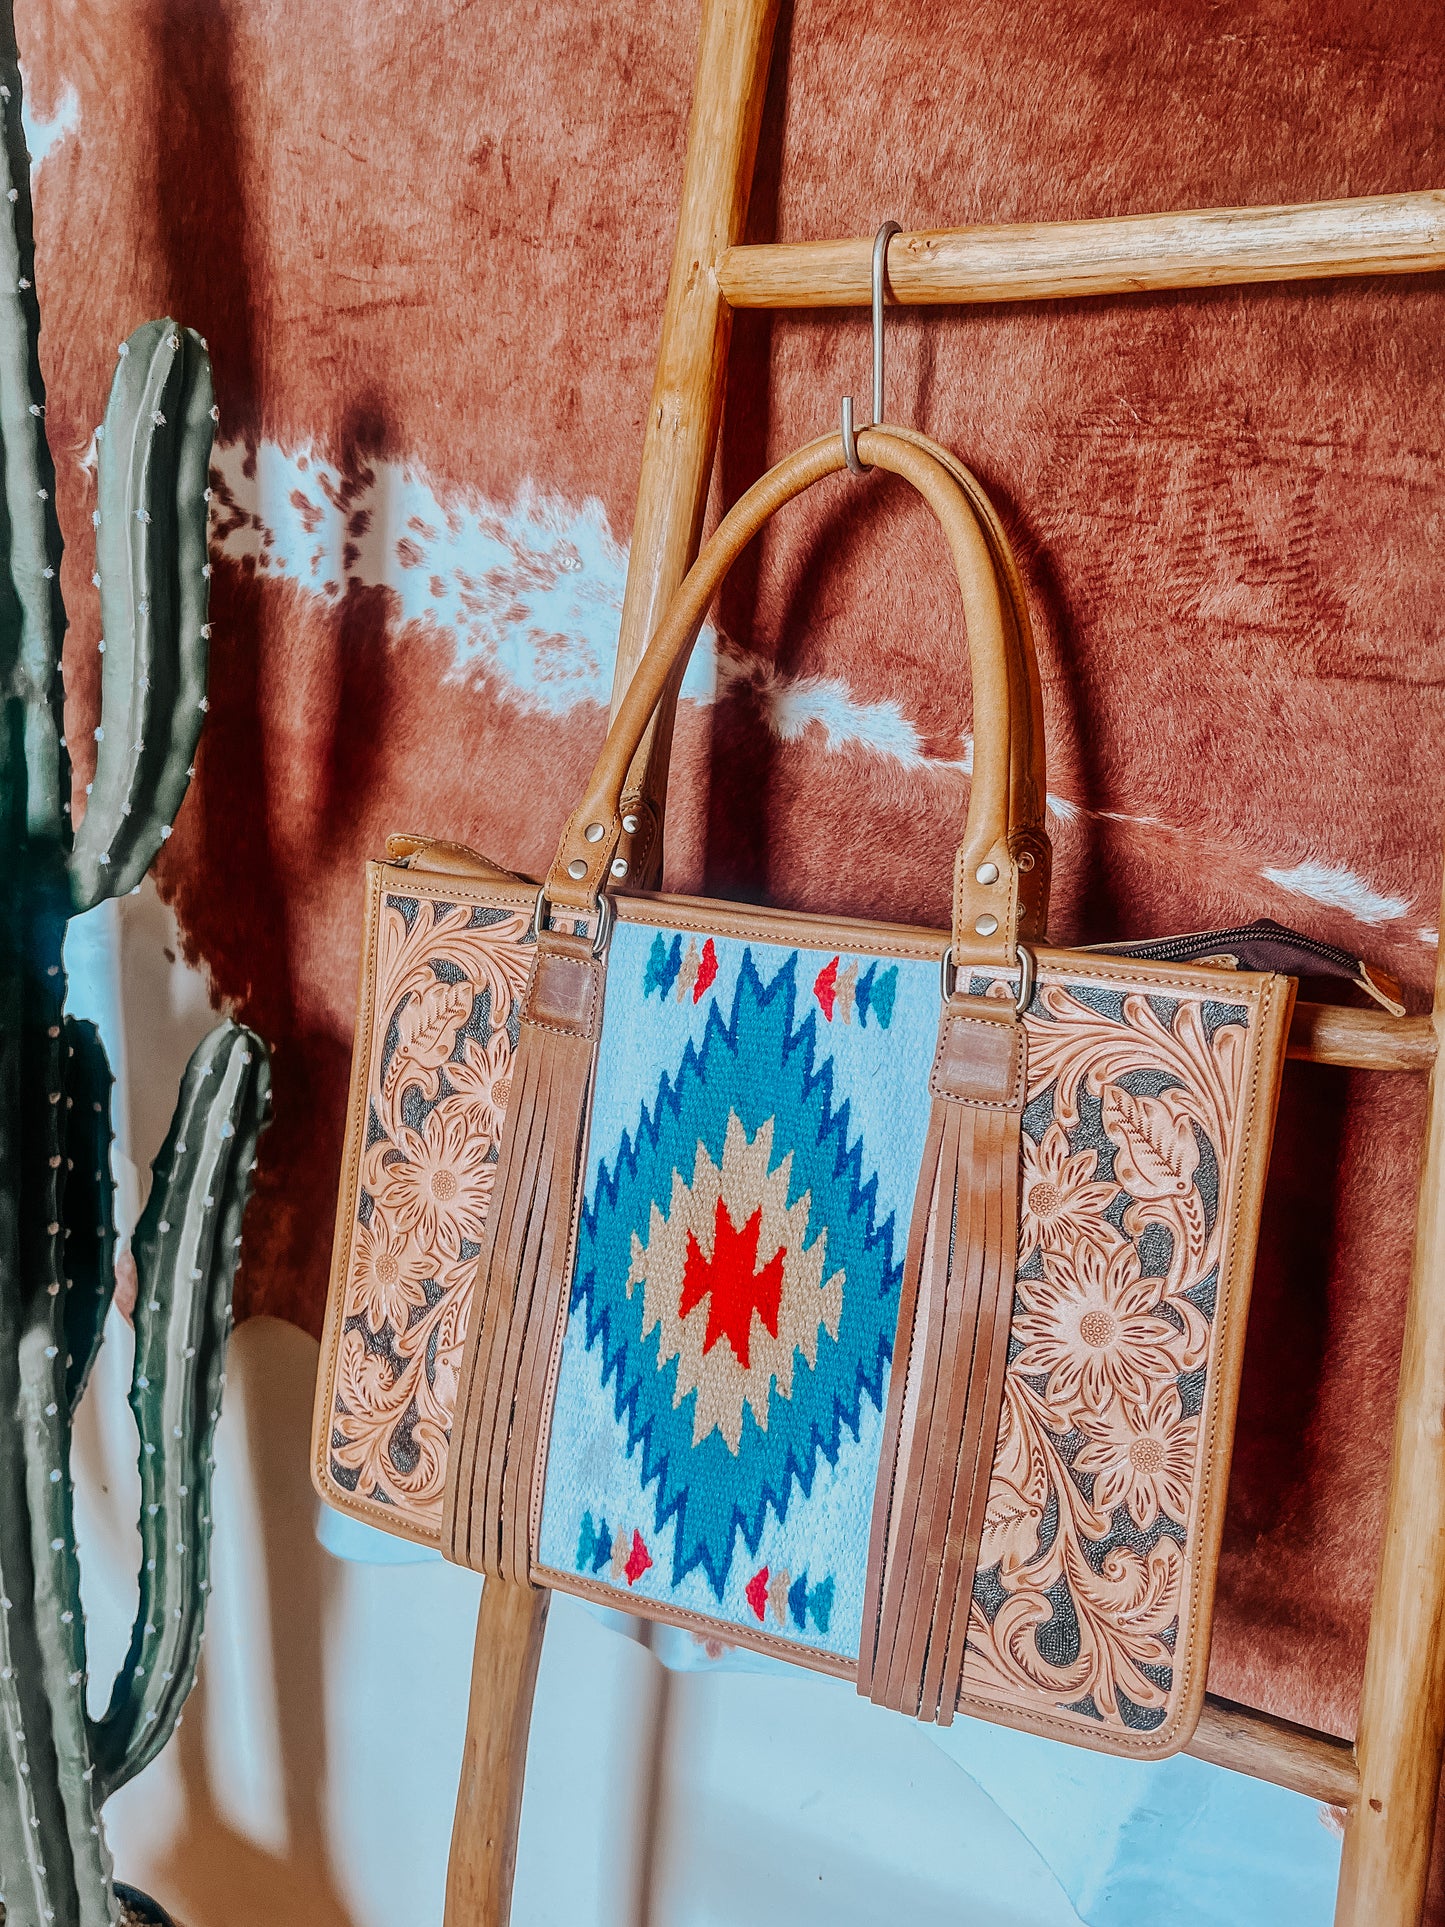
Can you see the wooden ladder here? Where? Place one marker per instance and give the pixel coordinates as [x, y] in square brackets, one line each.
[1387, 1781]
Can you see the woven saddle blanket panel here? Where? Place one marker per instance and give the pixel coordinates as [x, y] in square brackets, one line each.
[756, 1136]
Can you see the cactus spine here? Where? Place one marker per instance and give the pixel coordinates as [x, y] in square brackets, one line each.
[57, 1234]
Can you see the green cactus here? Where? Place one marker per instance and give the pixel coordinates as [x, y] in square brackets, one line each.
[58, 1765]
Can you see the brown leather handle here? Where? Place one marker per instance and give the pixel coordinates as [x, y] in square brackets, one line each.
[1001, 871]
[643, 802]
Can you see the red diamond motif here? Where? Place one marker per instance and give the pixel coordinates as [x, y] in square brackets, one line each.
[638, 1560]
[732, 1284]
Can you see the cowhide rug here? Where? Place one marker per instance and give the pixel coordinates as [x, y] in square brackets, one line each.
[428, 245]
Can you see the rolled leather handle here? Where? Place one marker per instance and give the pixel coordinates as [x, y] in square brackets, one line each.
[1002, 866]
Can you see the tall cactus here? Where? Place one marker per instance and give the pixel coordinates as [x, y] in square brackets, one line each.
[58, 1764]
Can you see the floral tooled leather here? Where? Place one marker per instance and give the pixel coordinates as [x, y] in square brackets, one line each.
[1131, 1150]
[446, 979]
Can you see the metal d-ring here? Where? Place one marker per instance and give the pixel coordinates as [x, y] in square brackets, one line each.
[603, 913]
[1028, 977]
[880, 262]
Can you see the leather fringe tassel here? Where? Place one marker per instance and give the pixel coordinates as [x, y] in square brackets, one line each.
[520, 1299]
[946, 1389]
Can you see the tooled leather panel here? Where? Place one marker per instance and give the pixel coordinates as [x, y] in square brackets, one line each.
[446, 977]
[1131, 1153]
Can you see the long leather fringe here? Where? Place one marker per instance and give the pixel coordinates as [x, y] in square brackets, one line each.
[946, 1388]
[520, 1301]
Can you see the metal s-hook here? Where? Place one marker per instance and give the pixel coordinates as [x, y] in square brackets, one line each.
[880, 262]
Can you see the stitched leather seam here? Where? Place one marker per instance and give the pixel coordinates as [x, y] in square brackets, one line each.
[645, 838]
[399, 1524]
[926, 947]
[731, 1635]
[1008, 1103]
[1204, 1487]
[1011, 914]
[556, 1030]
[438, 886]
[324, 1412]
[346, 1202]
[569, 1259]
[584, 1032]
[1204, 1526]
[1245, 986]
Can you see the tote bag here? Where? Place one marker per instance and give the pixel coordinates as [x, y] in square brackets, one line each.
[867, 1295]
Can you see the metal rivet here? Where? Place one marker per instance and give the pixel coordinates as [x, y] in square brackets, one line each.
[619, 866]
[1026, 860]
[577, 869]
[594, 833]
[987, 873]
[986, 926]
[629, 824]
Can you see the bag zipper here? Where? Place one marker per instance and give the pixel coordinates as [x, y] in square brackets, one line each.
[1197, 945]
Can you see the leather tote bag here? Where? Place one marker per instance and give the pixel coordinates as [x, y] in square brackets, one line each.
[867, 1295]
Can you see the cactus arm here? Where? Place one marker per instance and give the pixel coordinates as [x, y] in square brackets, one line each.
[33, 1845]
[58, 1621]
[155, 453]
[88, 1216]
[32, 616]
[44, 1624]
[186, 1248]
[56, 1225]
[34, 1849]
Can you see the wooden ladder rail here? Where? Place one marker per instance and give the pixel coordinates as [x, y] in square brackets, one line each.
[1386, 1782]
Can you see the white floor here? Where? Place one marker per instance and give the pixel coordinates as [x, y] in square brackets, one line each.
[312, 1782]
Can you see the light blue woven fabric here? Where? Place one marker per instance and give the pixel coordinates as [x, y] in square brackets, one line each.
[744, 1090]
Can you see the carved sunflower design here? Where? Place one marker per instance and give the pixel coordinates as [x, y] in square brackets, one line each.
[439, 1187]
[482, 1080]
[386, 1273]
[1089, 1328]
[1061, 1199]
[1141, 1459]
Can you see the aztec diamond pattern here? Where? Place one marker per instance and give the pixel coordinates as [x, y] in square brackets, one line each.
[733, 1284]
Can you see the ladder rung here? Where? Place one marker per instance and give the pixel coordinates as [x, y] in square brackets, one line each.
[1210, 247]
[1267, 1748]
[1367, 1040]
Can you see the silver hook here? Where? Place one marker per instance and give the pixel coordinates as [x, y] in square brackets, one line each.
[880, 262]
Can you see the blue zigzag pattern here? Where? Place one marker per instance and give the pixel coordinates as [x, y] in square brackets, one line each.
[754, 1064]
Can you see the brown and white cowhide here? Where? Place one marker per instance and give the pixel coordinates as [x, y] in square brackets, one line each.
[428, 244]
